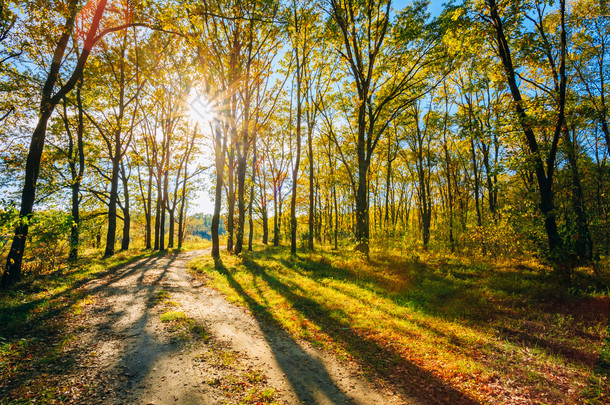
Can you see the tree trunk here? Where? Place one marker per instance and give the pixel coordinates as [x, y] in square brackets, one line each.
[336, 217]
[362, 210]
[181, 210]
[12, 270]
[149, 211]
[295, 170]
[388, 180]
[475, 171]
[582, 238]
[250, 219]
[219, 154]
[544, 179]
[241, 200]
[491, 189]
[449, 194]
[164, 200]
[126, 211]
[158, 209]
[112, 204]
[76, 181]
[264, 209]
[251, 202]
[276, 214]
[312, 208]
[231, 199]
[172, 227]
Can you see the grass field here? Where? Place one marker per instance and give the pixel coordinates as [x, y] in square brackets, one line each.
[448, 329]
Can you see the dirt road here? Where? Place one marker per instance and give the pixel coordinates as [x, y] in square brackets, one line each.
[135, 358]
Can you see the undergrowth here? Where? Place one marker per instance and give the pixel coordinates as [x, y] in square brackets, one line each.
[448, 329]
[35, 317]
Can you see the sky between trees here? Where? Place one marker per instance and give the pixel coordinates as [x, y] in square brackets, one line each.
[476, 126]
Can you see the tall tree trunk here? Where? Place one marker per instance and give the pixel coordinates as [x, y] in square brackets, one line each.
[312, 208]
[220, 148]
[148, 211]
[388, 179]
[181, 213]
[265, 219]
[114, 191]
[251, 202]
[250, 219]
[336, 217]
[475, 172]
[12, 269]
[264, 209]
[449, 193]
[492, 192]
[77, 179]
[544, 178]
[276, 214]
[318, 217]
[231, 199]
[159, 204]
[126, 210]
[362, 201]
[279, 218]
[241, 199]
[583, 241]
[172, 227]
[164, 201]
[297, 161]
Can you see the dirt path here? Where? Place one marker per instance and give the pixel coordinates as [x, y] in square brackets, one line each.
[133, 358]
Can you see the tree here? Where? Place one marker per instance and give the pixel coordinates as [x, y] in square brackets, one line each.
[543, 168]
[383, 89]
[116, 127]
[48, 101]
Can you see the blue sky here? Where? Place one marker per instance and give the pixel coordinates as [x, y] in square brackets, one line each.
[435, 7]
[203, 203]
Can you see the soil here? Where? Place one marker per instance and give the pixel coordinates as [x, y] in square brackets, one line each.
[130, 356]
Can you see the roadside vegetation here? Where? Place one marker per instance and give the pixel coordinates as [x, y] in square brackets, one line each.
[39, 323]
[452, 329]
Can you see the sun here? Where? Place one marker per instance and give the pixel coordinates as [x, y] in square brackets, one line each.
[201, 110]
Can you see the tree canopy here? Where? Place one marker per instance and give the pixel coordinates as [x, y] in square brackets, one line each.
[480, 128]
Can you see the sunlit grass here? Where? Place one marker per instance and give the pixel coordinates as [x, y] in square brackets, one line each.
[173, 316]
[35, 316]
[466, 329]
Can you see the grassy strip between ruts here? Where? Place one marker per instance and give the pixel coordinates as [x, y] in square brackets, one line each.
[447, 329]
[226, 373]
[36, 326]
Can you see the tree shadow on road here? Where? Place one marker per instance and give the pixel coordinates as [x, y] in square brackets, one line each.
[50, 343]
[421, 385]
[307, 375]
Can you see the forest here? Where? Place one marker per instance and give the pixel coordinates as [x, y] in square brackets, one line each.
[443, 161]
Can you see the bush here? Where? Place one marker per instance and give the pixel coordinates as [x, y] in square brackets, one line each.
[48, 241]
[8, 221]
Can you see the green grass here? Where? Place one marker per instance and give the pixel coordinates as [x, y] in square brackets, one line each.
[238, 382]
[174, 316]
[37, 316]
[461, 327]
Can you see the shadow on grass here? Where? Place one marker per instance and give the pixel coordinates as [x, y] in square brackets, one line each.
[479, 296]
[40, 338]
[24, 317]
[307, 389]
[385, 362]
[521, 304]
